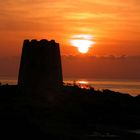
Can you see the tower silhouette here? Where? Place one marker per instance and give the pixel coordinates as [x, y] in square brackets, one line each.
[40, 66]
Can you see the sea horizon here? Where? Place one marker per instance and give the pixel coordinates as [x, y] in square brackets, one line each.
[126, 86]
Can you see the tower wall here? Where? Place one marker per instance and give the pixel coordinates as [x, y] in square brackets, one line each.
[40, 66]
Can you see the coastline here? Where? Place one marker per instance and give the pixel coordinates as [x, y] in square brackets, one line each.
[127, 86]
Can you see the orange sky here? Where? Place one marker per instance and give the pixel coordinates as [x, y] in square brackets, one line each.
[114, 25]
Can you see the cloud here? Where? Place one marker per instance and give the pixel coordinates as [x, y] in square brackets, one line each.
[126, 67]
[101, 67]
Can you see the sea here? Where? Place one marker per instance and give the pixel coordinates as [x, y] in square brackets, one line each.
[125, 86]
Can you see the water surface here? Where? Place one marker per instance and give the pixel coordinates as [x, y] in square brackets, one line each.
[123, 85]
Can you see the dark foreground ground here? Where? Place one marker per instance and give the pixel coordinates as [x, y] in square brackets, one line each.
[68, 113]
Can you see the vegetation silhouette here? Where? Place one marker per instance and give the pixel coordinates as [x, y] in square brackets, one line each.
[67, 112]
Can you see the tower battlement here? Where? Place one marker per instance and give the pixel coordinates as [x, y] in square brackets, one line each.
[40, 65]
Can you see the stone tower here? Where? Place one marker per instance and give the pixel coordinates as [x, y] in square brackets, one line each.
[40, 66]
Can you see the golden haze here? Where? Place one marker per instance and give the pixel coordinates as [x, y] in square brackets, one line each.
[115, 25]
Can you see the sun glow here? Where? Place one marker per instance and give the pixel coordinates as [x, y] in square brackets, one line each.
[82, 42]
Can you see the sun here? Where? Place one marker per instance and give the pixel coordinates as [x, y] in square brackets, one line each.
[82, 42]
[83, 49]
[83, 45]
